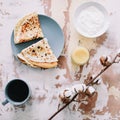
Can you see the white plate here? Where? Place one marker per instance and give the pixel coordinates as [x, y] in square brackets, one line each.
[84, 6]
[51, 31]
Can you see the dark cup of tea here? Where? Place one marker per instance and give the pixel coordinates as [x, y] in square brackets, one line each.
[17, 92]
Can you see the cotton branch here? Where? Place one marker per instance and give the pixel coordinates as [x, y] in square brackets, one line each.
[106, 64]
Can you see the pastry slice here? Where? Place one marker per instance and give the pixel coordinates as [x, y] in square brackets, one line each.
[28, 28]
[38, 55]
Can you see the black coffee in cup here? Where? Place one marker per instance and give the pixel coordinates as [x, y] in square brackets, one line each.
[17, 92]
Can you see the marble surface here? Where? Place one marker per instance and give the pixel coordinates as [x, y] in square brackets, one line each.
[46, 84]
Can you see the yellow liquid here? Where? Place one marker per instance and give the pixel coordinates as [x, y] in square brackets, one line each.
[80, 55]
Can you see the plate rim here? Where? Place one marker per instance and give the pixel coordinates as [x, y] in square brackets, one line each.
[101, 8]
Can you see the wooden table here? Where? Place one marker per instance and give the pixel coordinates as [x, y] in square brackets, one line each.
[46, 84]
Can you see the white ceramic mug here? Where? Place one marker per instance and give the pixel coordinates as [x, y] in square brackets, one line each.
[17, 92]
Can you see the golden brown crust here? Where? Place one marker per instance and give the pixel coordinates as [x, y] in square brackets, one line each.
[37, 64]
[28, 28]
[23, 60]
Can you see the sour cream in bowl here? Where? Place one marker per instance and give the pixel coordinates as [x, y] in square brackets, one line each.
[91, 19]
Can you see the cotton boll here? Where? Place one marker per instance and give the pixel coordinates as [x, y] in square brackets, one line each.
[109, 59]
[62, 92]
[105, 60]
[90, 90]
[93, 76]
[66, 95]
[79, 88]
[97, 81]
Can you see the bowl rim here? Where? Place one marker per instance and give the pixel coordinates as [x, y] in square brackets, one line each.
[101, 8]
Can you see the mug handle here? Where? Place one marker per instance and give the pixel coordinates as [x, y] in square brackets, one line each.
[5, 102]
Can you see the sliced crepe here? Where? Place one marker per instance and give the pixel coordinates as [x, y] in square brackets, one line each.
[38, 55]
[28, 28]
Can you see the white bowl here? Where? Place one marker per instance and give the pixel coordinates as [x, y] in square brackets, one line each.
[94, 30]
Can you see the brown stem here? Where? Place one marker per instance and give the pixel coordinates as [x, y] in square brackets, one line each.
[103, 70]
[63, 107]
[90, 82]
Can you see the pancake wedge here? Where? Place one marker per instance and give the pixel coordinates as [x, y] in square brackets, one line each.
[28, 28]
[38, 55]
